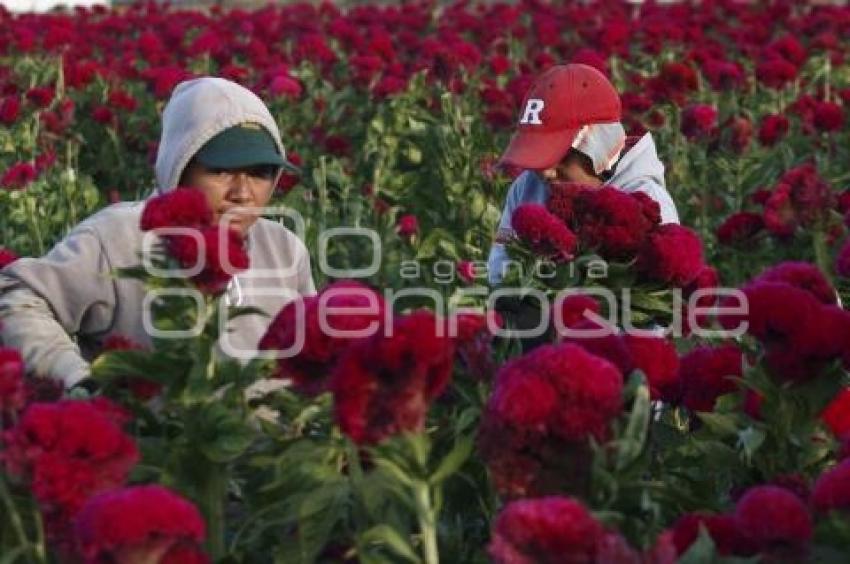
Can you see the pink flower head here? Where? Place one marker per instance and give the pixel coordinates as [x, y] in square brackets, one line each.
[832, 489]
[18, 176]
[803, 275]
[408, 225]
[12, 391]
[7, 257]
[181, 207]
[740, 228]
[699, 121]
[707, 373]
[672, 254]
[657, 359]
[612, 222]
[543, 232]
[772, 129]
[774, 518]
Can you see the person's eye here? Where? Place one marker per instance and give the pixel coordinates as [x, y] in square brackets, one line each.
[263, 172]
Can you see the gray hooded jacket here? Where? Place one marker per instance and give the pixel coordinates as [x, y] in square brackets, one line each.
[71, 291]
[638, 170]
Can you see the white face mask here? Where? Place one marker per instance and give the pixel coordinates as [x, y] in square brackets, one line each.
[602, 143]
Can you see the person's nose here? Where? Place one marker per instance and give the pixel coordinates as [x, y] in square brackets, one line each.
[240, 188]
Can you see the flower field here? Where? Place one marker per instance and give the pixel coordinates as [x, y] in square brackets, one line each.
[419, 431]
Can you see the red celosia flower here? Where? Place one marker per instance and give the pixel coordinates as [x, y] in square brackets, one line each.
[383, 385]
[828, 117]
[842, 262]
[285, 87]
[728, 538]
[843, 202]
[12, 391]
[474, 343]
[740, 228]
[707, 373]
[545, 530]
[573, 308]
[181, 207]
[789, 48]
[705, 280]
[324, 325]
[775, 72]
[44, 161]
[608, 345]
[836, 416]
[672, 254]
[803, 275]
[832, 489]
[408, 225]
[673, 82]
[41, 96]
[779, 215]
[586, 395]
[18, 176]
[543, 232]
[143, 519]
[774, 518]
[658, 360]
[223, 256]
[611, 222]
[699, 120]
[7, 257]
[466, 271]
[288, 180]
[122, 101]
[651, 209]
[389, 85]
[68, 450]
[562, 198]
[102, 114]
[772, 129]
[10, 109]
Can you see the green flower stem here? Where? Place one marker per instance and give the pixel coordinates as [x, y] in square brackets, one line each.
[427, 522]
[12, 514]
[213, 494]
[822, 258]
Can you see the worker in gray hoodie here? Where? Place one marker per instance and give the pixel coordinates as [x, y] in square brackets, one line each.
[570, 131]
[217, 137]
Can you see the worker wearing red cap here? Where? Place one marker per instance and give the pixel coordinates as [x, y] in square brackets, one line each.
[569, 130]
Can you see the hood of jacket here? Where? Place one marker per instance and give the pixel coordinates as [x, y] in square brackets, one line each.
[638, 165]
[197, 111]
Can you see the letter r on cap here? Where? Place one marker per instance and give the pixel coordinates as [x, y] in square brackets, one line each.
[531, 115]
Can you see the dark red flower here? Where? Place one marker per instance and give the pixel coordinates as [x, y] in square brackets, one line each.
[671, 254]
[102, 114]
[772, 129]
[324, 326]
[657, 359]
[828, 117]
[288, 180]
[12, 391]
[674, 81]
[543, 232]
[10, 109]
[775, 72]
[707, 373]
[122, 100]
[181, 207]
[148, 520]
[774, 518]
[407, 225]
[384, 385]
[545, 530]
[728, 538]
[699, 121]
[68, 450]
[740, 228]
[7, 257]
[831, 491]
[789, 48]
[780, 217]
[562, 200]
[803, 275]
[723, 75]
[611, 222]
[466, 271]
[740, 133]
[284, 86]
[572, 310]
[18, 176]
[41, 96]
[219, 250]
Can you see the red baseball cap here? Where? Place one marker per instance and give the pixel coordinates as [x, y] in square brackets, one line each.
[563, 100]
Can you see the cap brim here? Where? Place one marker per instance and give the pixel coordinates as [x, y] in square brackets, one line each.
[232, 159]
[537, 150]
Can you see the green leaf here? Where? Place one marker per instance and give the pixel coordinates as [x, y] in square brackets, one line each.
[633, 441]
[224, 435]
[318, 514]
[453, 460]
[386, 535]
[12, 556]
[702, 551]
[721, 424]
[134, 363]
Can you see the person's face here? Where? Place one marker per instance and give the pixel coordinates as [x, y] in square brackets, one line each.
[574, 167]
[238, 191]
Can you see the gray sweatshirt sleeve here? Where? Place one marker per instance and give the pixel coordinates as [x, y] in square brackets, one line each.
[43, 301]
[306, 286]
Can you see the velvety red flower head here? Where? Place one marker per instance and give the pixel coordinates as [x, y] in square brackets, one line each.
[41, 96]
[147, 519]
[612, 222]
[10, 109]
[671, 254]
[285, 86]
[803, 275]
[181, 207]
[842, 262]
[656, 357]
[325, 325]
[673, 82]
[572, 309]
[385, 384]
[219, 249]
[562, 198]
[774, 518]
[545, 530]
[707, 373]
[740, 228]
[587, 392]
[828, 117]
[772, 129]
[7, 257]
[68, 450]
[408, 225]
[699, 121]
[18, 176]
[775, 72]
[544, 232]
[831, 491]
[12, 390]
[728, 537]
[836, 415]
